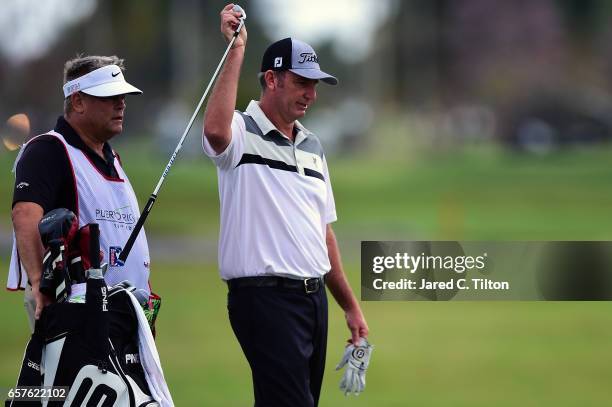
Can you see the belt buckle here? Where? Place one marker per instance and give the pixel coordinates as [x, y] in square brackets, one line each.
[315, 281]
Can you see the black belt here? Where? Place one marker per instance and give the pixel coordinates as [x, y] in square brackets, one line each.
[308, 285]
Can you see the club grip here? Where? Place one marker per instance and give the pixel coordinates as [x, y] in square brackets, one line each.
[94, 245]
[239, 9]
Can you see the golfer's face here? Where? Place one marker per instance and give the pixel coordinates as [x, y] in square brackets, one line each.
[105, 114]
[298, 93]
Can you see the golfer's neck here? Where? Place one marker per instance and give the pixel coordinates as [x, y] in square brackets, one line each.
[87, 136]
[283, 125]
[287, 130]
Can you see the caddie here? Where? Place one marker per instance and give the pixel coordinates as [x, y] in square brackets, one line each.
[277, 248]
[74, 167]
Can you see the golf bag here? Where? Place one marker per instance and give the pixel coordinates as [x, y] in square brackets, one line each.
[99, 346]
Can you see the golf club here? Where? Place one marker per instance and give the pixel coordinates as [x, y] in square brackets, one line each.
[147, 209]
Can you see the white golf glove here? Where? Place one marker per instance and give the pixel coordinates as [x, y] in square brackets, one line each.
[356, 359]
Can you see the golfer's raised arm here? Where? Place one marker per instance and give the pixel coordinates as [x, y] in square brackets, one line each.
[222, 102]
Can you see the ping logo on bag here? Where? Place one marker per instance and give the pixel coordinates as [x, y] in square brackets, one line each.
[131, 358]
[104, 299]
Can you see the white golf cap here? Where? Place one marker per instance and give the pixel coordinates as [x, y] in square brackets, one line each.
[105, 81]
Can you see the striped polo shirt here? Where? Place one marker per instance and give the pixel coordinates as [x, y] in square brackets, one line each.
[276, 200]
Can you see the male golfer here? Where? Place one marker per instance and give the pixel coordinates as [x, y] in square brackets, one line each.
[277, 250]
[74, 167]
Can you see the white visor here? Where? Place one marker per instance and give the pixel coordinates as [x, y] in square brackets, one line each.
[105, 81]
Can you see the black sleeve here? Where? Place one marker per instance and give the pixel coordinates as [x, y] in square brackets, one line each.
[44, 176]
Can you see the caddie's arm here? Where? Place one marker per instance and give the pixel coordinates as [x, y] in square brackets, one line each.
[26, 216]
[341, 290]
[222, 102]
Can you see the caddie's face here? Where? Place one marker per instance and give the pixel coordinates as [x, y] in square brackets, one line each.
[104, 114]
[296, 94]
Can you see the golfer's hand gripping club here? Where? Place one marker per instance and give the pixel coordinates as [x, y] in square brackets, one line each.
[238, 9]
[356, 358]
[232, 23]
[147, 208]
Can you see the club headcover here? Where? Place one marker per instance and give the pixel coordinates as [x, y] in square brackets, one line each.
[57, 229]
[59, 223]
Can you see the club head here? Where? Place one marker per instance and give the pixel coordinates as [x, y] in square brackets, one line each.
[239, 9]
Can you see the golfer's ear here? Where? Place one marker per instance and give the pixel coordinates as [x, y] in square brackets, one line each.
[269, 79]
[76, 100]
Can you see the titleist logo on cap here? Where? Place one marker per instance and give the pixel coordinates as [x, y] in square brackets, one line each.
[295, 56]
[308, 57]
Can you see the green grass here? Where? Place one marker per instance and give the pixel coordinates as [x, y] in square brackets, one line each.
[427, 354]
[481, 194]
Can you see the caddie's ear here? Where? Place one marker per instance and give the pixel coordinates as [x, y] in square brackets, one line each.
[77, 102]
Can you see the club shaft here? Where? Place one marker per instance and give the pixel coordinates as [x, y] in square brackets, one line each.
[193, 117]
[141, 220]
[94, 245]
[147, 209]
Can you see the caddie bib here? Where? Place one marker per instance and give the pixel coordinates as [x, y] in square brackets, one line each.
[112, 204]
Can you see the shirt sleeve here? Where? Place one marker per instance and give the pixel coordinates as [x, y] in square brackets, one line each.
[230, 157]
[330, 207]
[41, 174]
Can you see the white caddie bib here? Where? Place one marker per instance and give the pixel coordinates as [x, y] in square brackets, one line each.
[112, 204]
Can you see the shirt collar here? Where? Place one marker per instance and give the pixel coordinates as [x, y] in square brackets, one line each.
[266, 126]
[72, 137]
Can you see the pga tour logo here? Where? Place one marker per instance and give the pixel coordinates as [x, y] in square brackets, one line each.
[113, 256]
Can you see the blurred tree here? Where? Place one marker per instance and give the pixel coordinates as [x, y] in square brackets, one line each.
[585, 17]
[445, 51]
[430, 54]
[171, 49]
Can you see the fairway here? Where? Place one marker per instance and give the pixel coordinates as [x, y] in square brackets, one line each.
[481, 194]
[427, 354]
